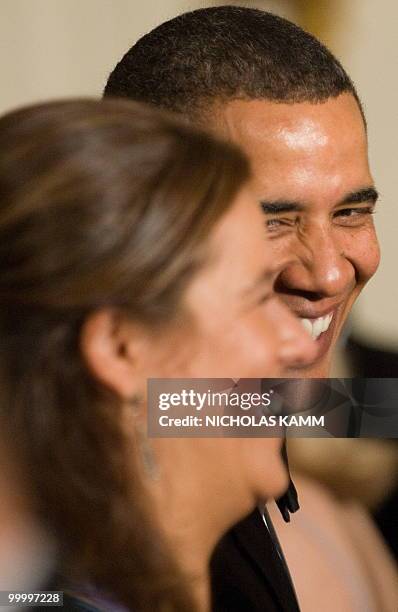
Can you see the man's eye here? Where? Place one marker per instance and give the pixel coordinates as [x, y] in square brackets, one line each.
[353, 216]
[271, 223]
[278, 223]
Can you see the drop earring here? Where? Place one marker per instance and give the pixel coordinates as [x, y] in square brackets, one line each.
[144, 447]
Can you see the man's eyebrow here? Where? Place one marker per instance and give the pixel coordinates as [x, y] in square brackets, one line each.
[280, 206]
[274, 207]
[367, 194]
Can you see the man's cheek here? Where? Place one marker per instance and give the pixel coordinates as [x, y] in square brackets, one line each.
[371, 255]
[365, 254]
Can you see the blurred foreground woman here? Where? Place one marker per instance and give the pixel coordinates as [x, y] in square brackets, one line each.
[131, 248]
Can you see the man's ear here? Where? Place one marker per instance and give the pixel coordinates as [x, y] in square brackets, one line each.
[110, 345]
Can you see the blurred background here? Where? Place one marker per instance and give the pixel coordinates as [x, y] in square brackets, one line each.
[57, 48]
[60, 48]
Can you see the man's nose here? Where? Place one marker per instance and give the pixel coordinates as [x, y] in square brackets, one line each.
[321, 266]
[295, 346]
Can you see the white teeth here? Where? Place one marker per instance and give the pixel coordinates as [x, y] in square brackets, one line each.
[315, 327]
[307, 325]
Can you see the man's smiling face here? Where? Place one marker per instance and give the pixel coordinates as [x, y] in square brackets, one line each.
[311, 177]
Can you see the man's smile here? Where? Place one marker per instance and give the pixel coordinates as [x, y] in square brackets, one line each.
[316, 327]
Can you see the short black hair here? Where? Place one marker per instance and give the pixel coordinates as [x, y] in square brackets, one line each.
[227, 52]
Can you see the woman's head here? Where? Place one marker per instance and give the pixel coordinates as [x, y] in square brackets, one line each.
[105, 204]
[129, 248]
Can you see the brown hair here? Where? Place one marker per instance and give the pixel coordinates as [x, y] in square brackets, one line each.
[101, 204]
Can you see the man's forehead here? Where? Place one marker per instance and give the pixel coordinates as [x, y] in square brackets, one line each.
[290, 125]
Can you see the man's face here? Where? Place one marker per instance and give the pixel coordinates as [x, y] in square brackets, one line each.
[311, 177]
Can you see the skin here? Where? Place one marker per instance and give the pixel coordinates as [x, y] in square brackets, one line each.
[311, 175]
[234, 329]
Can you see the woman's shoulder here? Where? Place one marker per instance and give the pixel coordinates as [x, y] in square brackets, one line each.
[75, 604]
[94, 602]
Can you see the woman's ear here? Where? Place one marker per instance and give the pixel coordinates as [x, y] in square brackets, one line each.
[110, 345]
